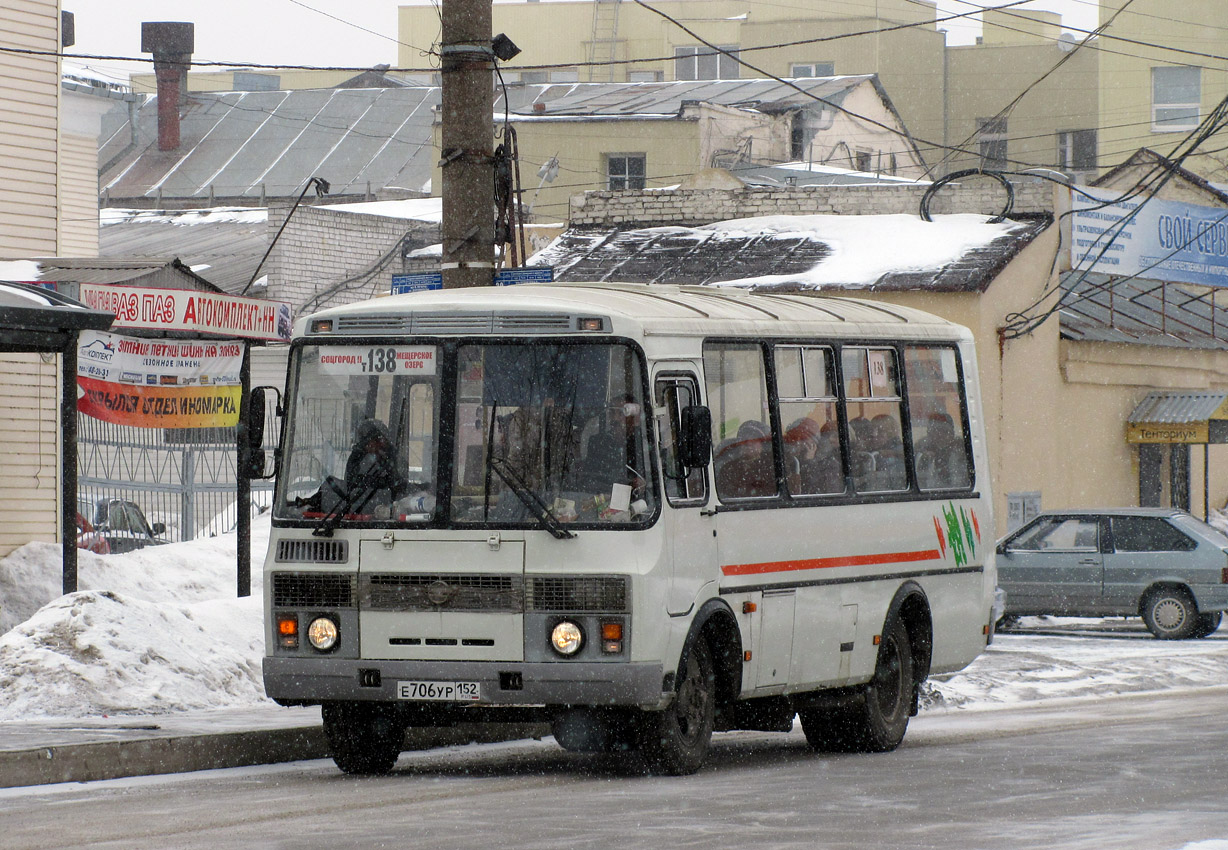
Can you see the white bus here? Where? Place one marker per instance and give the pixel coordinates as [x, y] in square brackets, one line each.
[638, 513]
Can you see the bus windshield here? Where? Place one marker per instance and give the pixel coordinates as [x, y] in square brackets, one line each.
[543, 435]
[555, 432]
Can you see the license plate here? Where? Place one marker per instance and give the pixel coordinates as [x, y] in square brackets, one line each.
[440, 691]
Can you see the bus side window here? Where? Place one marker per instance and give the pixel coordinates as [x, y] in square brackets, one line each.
[872, 396]
[935, 397]
[744, 455]
[672, 394]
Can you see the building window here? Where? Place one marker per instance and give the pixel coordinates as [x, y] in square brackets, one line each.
[813, 69]
[644, 76]
[991, 134]
[1076, 150]
[564, 75]
[625, 171]
[864, 161]
[704, 63]
[1176, 96]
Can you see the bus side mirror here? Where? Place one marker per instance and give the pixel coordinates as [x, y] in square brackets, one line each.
[695, 436]
[253, 431]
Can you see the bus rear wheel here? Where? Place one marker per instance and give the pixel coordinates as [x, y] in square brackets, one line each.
[675, 741]
[877, 717]
[364, 739]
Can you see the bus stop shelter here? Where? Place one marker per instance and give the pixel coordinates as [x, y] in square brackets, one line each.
[41, 321]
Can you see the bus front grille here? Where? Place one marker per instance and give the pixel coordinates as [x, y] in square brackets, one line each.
[442, 591]
[604, 594]
[313, 590]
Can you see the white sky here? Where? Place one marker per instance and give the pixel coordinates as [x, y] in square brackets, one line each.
[359, 33]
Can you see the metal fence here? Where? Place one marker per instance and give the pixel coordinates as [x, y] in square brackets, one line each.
[184, 478]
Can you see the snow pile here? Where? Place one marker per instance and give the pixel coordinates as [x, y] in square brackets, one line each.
[859, 244]
[1024, 667]
[150, 632]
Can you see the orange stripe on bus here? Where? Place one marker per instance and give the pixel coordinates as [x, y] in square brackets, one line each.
[828, 563]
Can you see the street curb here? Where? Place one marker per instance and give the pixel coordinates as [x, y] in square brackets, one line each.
[91, 762]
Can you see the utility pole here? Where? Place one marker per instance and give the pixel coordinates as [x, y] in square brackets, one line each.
[466, 140]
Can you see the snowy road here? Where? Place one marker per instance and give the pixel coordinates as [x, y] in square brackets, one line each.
[1139, 771]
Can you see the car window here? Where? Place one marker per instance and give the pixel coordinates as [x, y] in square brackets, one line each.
[1064, 533]
[1148, 534]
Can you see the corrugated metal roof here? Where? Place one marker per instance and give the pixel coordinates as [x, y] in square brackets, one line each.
[161, 272]
[1098, 308]
[242, 143]
[224, 245]
[666, 98]
[1170, 407]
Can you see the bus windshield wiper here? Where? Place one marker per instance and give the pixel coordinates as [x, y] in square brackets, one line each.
[531, 500]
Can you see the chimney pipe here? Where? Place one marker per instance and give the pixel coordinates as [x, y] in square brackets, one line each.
[171, 44]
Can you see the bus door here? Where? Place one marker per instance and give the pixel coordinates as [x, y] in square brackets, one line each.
[689, 523]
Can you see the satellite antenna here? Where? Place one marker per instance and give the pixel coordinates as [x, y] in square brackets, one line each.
[1066, 42]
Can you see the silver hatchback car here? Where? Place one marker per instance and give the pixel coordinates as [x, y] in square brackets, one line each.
[1158, 563]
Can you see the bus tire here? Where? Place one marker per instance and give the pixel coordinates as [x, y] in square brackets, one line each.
[675, 741]
[876, 719]
[364, 739]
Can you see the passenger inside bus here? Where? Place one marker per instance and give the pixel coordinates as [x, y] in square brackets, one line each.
[744, 468]
[941, 459]
[813, 460]
[610, 455]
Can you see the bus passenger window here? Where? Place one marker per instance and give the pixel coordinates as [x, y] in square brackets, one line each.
[805, 387]
[744, 455]
[872, 397]
[934, 402]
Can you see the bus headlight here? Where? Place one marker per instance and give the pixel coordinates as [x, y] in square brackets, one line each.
[322, 633]
[566, 638]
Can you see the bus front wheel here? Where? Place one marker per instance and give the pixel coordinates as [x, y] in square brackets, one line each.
[364, 738]
[876, 719]
[675, 741]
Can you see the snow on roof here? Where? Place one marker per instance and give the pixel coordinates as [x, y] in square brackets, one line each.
[857, 244]
[419, 209]
[953, 252]
[19, 270]
[183, 218]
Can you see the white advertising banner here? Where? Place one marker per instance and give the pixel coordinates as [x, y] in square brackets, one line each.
[1148, 237]
[190, 310]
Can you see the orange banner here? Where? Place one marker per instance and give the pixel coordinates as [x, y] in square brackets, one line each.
[159, 406]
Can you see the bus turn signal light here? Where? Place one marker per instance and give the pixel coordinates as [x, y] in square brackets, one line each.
[611, 638]
[287, 631]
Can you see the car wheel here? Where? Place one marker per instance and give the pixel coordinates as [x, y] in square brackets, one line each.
[363, 738]
[1170, 613]
[876, 720]
[675, 741]
[1208, 623]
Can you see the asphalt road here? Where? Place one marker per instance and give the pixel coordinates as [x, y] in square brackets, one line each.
[1125, 772]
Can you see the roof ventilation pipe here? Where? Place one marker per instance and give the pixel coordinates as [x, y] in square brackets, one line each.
[171, 44]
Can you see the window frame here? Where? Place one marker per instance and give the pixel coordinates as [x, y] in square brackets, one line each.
[1158, 126]
[993, 141]
[829, 67]
[626, 177]
[727, 67]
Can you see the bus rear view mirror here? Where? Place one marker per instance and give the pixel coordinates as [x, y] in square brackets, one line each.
[695, 436]
[252, 439]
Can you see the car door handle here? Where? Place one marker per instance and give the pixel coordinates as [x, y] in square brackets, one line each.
[1090, 561]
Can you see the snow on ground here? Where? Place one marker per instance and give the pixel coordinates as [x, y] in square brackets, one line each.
[160, 631]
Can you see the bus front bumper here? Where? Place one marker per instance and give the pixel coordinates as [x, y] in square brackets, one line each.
[501, 683]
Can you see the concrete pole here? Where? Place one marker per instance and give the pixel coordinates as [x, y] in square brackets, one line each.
[467, 135]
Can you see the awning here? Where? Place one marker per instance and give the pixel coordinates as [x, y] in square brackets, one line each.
[36, 319]
[1177, 416]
